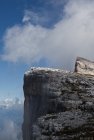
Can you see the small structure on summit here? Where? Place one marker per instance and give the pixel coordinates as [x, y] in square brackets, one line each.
[84, 66]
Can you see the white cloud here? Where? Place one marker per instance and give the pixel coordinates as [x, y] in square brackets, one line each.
[11, 103]
[35, 18]
[11, 119]
[23, 43]
[71, 37]
[30, 16]
[27, 16]
[10, 131]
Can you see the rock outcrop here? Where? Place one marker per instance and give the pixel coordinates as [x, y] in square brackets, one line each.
[84, 66]
[59, 105]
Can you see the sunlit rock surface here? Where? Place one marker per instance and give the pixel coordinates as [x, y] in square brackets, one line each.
[84, 66]
[59, 105]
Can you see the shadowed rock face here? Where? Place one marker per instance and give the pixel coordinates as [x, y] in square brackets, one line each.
[84, 66]
[58, 105]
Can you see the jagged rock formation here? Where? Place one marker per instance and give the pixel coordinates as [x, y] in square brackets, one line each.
[59, 105]
[84, 66]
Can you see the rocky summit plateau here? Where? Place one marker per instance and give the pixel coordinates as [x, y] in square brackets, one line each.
[59, 105]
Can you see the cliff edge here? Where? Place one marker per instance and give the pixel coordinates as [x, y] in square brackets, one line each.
[59, 105]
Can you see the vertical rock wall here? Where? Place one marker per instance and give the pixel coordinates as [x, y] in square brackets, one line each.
[40, 86]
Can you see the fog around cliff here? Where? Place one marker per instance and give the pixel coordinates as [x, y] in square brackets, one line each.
[59, 45]
[11, 118]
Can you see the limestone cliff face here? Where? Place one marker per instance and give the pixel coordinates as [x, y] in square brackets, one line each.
[84, 66]
[59, 105]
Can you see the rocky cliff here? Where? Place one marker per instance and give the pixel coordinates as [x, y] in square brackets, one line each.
[84, 66]
[59, 105]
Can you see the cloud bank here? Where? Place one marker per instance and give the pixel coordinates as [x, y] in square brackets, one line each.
[11, 118]
[71, 37]
[10, 131]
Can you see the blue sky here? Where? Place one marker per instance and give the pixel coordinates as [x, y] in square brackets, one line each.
[48, 33]
[11, 14]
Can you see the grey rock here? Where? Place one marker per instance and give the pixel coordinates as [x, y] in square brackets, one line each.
[84, 66]
[59, 105]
